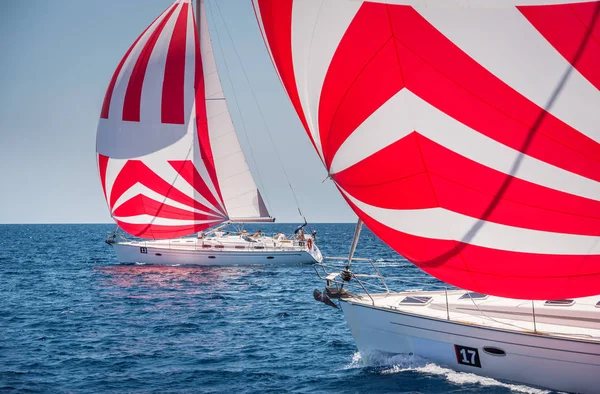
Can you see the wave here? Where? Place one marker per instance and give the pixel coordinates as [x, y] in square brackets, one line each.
[391, 364]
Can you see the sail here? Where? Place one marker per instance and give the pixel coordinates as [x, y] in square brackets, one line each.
[465, 134]
[241, 196]
[158, 169]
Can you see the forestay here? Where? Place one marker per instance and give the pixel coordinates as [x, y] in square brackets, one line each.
[169, 160]
[465, 134]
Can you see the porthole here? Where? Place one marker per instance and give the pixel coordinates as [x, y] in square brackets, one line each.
[494, 351]
[211, 257]
[270, 257]
[157, 254]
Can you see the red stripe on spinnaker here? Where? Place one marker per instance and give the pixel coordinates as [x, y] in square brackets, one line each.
[429, 175]
[133, 94]
[384, 181]
[276, 16]
[574, 31]
[188, 171]
[140, 205]
[102, 165]
[491, 271]
[364, 73]
[111, 86]
[201, 116]
[436, 70]
[153, 231]
[172, 104]
[135, 171]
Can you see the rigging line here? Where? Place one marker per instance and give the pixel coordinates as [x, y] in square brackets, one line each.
[235, 101]
[260, 111]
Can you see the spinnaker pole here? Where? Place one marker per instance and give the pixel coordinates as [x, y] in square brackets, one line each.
[359, 224]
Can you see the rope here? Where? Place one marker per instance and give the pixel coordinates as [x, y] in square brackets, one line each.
[259, 110]
[235, 101]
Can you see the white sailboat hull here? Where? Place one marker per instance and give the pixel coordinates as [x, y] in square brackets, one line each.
[547, 361]
[196, 252]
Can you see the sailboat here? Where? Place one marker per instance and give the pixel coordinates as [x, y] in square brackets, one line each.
[169, 159]
[465, 135]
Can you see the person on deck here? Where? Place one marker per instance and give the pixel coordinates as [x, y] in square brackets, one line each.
[257, 234]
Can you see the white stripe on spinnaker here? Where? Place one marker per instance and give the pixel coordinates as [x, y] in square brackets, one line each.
[405, 113]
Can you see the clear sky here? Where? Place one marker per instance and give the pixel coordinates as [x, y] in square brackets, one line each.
[57, 59]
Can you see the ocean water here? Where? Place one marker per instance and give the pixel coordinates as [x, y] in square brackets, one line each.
[73, 320]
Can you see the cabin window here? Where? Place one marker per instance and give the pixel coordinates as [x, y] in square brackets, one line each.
[473, 296]
[240, 247]
[206, 246]
[598, 304]
[559, 302]
[219, 246]
[259, 247]
[416, 300]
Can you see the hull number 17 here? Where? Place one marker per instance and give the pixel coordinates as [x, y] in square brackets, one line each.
[467, 356]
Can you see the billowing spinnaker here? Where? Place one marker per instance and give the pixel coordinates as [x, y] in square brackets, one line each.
[154, 154]
[466, 136]
[169, 158]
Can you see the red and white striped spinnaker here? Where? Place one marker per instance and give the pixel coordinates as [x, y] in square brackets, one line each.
[465, 134]
[170, 162]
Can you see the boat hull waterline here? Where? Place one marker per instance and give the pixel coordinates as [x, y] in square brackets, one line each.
[539, 360]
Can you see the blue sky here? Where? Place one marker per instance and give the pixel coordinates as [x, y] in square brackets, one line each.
[57, 59]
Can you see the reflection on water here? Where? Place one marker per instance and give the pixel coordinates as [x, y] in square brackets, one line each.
[157, 276]
[151, 281]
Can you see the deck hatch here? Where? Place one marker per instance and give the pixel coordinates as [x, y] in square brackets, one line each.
[473, 296]
[415, 300]
[559, 302]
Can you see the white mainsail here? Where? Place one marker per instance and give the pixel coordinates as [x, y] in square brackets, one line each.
[240, 194]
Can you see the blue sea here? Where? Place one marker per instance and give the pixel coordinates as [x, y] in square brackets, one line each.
[73, 320]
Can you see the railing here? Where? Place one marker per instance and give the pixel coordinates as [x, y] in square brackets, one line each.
[365, 277]
[332, 270]
[334, 274]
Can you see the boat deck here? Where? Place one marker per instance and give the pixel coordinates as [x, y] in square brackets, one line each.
[229, 242]
[579, 318]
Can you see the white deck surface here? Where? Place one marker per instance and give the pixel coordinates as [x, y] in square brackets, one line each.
[580, 320]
